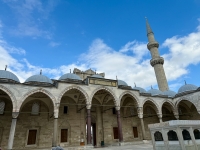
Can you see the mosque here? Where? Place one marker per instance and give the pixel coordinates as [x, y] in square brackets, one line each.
[84, 108]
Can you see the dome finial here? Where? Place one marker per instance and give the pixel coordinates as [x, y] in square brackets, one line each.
[95, 71]
[116, 78]
[151, 87]
[185, 82]
[70, 70]
[6, 67]
[41, 72]
[135, 84]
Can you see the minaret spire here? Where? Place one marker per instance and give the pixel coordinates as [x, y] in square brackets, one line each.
[156, 61]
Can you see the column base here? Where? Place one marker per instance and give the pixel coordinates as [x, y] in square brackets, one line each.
[121, 143]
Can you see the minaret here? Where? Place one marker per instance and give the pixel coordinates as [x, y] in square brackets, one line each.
[156, 61]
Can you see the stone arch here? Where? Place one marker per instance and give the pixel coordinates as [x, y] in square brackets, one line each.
[73, 87]
[171, 105]
[37, 90]
[11, 95]
[152, 101]
[184, 99]
[131, 94]
[108, 90]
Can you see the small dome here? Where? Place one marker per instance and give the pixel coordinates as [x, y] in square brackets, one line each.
[121, 82]
[187, 87]
[141, 90]
[96, 76]
[70, 76]
[169, 93]
[155, 92]
[39, 78]
[7, 75]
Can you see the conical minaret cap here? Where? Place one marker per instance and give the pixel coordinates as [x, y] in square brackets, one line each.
[149, 30]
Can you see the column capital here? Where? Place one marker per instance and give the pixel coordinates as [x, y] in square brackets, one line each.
[88, 106]
[117, 108]
[159, 115]
[15, 115]
[140, 112]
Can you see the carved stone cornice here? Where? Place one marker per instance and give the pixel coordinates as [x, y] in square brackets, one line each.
[157, 60]
[152, 44]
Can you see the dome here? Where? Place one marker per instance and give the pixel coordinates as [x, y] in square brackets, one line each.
[155, 92]
[39, 78]
[96, 76]
[121, 82]
[169, 93]
[70, 76]
[7, 75]
[187, 87]
[141, 90]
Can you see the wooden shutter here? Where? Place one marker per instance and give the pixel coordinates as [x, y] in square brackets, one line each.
[64, 135]
[32, 137]
[135, 132]
[115, 132]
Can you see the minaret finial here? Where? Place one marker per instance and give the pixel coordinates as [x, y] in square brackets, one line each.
[6, 67]
[70, 70]
[41, 72]
[185, 82]
[135, 84]
[149, 30]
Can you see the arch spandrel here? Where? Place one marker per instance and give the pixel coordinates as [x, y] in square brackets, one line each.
[154, 103]
[37, 90]
[132, 95]
[12, 97]
[116, 101]
[74, 87]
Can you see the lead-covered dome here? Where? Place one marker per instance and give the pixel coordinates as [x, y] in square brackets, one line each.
[121, 83]
[187, 87]
[155, 92]
[96, 76]
[169, 93]
[8, 76]
[38, 79]
[141, 90]
[70, 76]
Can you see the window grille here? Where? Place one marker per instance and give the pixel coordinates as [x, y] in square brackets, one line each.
[197, 134]
[35, 109]
[172, 136]
[2, 107]
[158, 136]
[186, 135]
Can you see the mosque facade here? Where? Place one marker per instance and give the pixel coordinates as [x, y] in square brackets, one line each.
[84, 108]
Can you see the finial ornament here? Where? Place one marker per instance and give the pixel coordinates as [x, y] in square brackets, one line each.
[151, 87]
[116, 78]
[70, 70]
[6, 67]
[185, 82]
[41, 72]
[135, 84]
[95, 72]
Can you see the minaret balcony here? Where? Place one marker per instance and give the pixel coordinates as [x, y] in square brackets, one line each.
[152, 44]
[157, 60]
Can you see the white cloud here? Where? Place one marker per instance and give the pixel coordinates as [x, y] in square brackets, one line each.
[54, 44]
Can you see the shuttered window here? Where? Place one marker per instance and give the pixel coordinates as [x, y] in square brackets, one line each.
[135, 132]
[115, 132]
[64, 133]
[32, 137]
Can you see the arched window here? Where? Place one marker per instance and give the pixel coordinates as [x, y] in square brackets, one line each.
[35, 109]
[172, 136]
[197, 134]
[2, 107]
[158, 136]
[186, 135]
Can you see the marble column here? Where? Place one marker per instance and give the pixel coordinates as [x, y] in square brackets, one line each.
[55, 132]
[12, 130]
[180, 138]
[89, 127]
[193, 138]
[143, 129]
[119, 125]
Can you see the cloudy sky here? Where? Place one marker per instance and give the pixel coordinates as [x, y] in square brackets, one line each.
[106, 36]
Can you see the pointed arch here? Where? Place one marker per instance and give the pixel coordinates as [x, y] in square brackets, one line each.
[106, 89]
[171, 104]
[153, 102]
[185, 99]
[131, 94]
[11, 95]
[73, 87]
[37, 90]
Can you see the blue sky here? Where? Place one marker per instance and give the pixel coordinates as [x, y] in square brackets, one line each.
[107, 36]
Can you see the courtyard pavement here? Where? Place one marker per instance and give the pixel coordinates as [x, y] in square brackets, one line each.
[129, 147]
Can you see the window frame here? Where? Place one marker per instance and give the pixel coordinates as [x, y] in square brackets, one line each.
[36, 140]
[63, 128]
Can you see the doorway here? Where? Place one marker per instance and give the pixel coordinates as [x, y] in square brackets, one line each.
[94, 142]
